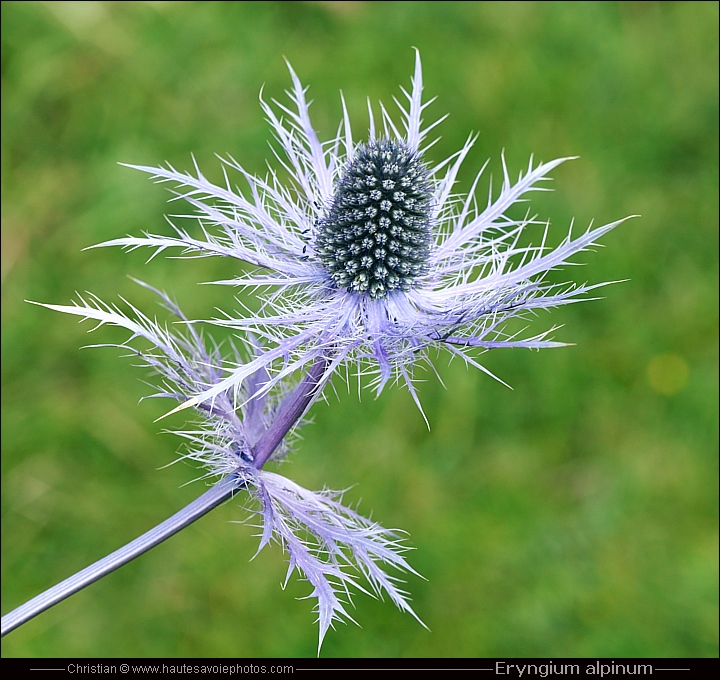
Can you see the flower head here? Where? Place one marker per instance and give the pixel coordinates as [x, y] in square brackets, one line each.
[367, 256]
[376, 235]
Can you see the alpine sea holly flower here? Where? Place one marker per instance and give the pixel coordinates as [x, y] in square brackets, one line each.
[333, 547]
[367, 256]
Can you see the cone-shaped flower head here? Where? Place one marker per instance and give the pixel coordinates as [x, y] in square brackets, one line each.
[376, 236]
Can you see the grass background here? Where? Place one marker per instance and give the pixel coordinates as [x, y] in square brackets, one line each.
[575, 515]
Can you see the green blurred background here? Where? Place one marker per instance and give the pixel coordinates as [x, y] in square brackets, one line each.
[574, 515]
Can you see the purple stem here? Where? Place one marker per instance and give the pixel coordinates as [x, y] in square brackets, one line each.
[211, 499]
[291, 411]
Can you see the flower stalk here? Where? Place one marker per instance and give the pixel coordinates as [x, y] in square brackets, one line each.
[292, 409]
[212, 498]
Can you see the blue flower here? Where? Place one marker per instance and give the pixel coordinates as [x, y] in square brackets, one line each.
[368, 259]
[367, 256]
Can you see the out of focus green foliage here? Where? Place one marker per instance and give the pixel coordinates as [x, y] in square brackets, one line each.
[574, 515]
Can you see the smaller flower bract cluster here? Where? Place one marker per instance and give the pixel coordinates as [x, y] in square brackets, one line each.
[331, 546]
